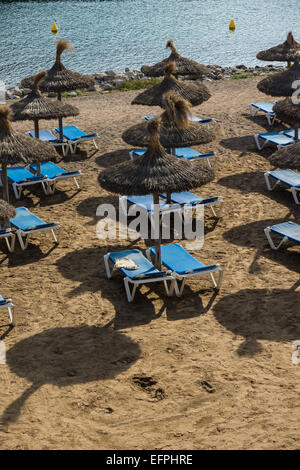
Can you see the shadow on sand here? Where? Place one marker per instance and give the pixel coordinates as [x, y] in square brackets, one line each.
[260, 314]
[68, 356]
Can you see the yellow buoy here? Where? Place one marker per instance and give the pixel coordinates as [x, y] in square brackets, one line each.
[54, 28]
[232, 25]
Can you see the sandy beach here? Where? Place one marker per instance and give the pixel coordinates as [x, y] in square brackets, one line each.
[87, 370]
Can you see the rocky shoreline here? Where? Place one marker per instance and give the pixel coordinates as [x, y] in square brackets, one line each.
[112, 80]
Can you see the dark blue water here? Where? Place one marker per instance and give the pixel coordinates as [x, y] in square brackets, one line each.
[119, 33]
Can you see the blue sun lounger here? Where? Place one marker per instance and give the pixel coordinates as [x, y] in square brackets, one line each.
[287, 231]
[143, 274]
[190, 199]
[286, 177]
[7, 303]
[19, 177]
[54, 174]
[175, 258]
[265, 107]
[191, 118]
[276, 138]
[181, 152]
[47, 136]
[27, 223]
[9, 238]
[145, 204]
[290, 133]
[74, 136]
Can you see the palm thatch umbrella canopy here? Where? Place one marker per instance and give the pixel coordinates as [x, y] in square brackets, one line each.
[6, 212]
[184, 66]
[176, 128]
[59, 78]
[16, 148]
[34, 107]
[153, 173]
[285, 52]
[288, 112]
[281, 84]
[286, 157]
[195, 93]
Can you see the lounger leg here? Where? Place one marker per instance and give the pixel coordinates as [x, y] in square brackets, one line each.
[17, 191]
[78, 186]
[11, 245]
[130, 295]
[217, 284]
[256, 138]
[131, 155]
[51, 187]
[179, 286]
[170, 290]
[252, 112]
[11, 314]
[268, 182]
[270, 240]
[96, 147]
[46, 188]
[294, 193]
[208, 162]
[23, 243]
[213, 211]
[106, 264]
[56, 238]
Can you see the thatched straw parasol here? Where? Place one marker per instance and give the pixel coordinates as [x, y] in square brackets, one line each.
[6, 212]
[195, 93]
[34, 107]
[16, 148]
[154, 173]
[60, 79]
[281, 84]
[289, 113]
[286, 157]
[184, 66]
[285, 52]
[176, 128]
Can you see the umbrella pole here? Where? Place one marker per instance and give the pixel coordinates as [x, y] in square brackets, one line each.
[158, 239]
[37, 136]
[5, 182]
[60, 123]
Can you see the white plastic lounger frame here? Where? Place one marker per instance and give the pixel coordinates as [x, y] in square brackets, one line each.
[53, 181]
[73, 143]
[265, 141]
[10, 307]
[194, 159]
[10, 243]
[180, 279]
[163, 211]
[270, 239]
[270, 117]
[18, 187]
[64, 144]
[277, 182]
[169, 276]
[26, 234]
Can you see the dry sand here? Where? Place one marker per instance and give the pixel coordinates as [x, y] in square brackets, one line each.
[87, 370]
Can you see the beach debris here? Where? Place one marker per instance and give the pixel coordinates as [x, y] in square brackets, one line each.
[125, 263]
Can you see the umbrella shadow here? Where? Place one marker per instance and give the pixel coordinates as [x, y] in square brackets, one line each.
[254, 181]
[243, 143]
[68, 356]
[112, 158]
[32, 254]
[88, 207]
[260, 314]
[252, 236]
